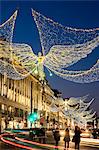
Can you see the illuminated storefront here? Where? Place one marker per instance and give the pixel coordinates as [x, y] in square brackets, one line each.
[15, 102]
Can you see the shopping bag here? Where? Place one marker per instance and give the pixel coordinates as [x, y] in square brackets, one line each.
[73, 139]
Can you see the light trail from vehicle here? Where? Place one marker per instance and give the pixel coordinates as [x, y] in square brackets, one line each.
[25, 143]
[15, 144]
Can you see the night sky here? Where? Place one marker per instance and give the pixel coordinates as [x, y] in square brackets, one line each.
[76, 14]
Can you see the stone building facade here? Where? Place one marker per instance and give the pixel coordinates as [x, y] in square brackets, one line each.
[16, 97]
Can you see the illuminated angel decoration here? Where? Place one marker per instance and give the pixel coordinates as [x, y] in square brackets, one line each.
[75, 108]
[61, 48]
[78, 110]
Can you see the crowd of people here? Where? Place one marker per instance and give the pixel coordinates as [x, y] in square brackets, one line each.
[76, 138]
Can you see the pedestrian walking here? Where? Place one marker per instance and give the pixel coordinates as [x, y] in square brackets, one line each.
[94, 134]
[67, 138]
[56, 137]
[77, 137]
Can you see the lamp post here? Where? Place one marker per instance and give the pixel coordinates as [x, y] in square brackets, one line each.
[42, 94]
[31, 103]
[31, 99]
[42, 120]
[33, 115]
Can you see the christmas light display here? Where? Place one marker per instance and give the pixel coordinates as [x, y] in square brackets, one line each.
[76, 109]
[53, 34]
[6, 53]
[61, 48]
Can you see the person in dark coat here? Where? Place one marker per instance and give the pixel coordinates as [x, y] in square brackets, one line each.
[94, 134]
[67, 138]
[77, 137]
[56, 137]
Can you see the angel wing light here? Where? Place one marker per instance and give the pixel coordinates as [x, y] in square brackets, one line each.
[75, 108]
[16, 60]
[61, 47]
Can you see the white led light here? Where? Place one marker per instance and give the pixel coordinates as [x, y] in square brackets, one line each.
[61, 48]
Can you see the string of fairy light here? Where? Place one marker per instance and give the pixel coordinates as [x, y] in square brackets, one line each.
[61, 48]
[76, 109]
[52, 33]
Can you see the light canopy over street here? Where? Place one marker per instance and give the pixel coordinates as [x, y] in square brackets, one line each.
[49, 75]
[61, 47]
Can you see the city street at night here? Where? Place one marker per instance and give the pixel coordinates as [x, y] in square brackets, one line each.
[50, 144]
[49, 75]
[82, 147]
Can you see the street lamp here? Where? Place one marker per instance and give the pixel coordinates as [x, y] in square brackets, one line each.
[43, 83]
[31, 103]
[30, 116]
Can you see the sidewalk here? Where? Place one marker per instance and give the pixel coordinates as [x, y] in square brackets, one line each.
[84, 141]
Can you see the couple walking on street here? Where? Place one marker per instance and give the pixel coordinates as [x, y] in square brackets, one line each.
[76, 138]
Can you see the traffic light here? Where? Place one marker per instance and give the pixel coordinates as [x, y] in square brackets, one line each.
[54, 121]
[47, 119]
[33, 117]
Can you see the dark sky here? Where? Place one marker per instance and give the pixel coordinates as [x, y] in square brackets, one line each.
[76, 14]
